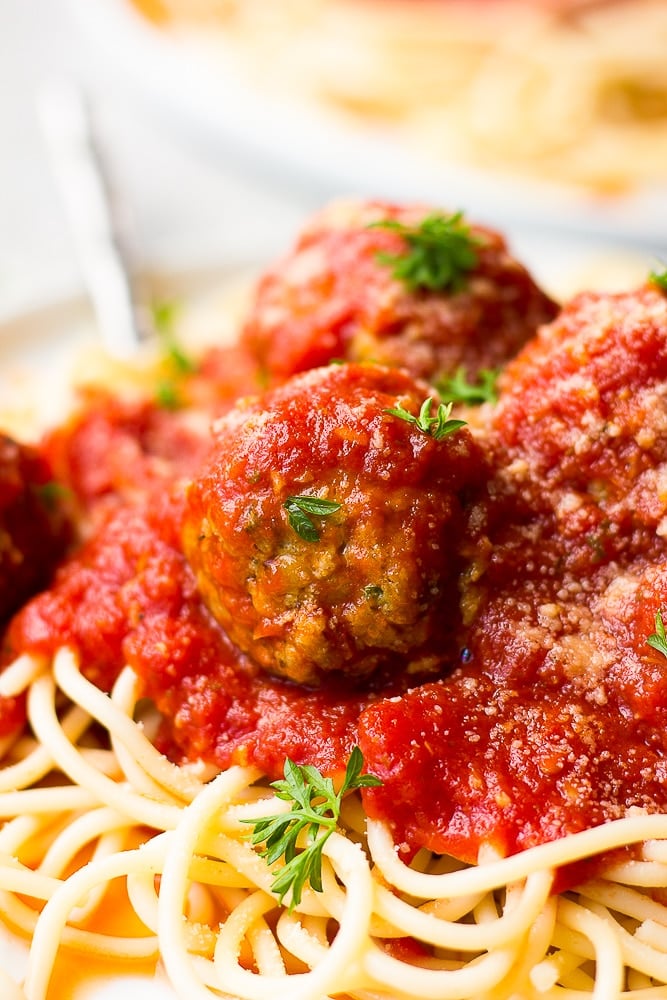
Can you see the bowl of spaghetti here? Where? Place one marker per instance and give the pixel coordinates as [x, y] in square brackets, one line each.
[333, 650]
[552, 110]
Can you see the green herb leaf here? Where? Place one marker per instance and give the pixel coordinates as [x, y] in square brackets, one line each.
[52, 493]
[658, 639]
[437, 427]
[659, 278]
[440, 252]
[167, 395]
[165, 315]
[373, 593]
[596, 543]
[300, 507]
[458, 389]
[316, 813]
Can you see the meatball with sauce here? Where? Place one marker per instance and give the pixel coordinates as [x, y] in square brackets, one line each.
[324, 531]
[34, 529]
[335, 295]
[582, 421]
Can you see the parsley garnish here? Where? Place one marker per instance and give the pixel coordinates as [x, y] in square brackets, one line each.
[168, 396]
[373, 593]
[440, 252]
[596, 543]
[457, 388]
[658, 639]
[52, 493]
[436, 427]
[659, 278]
[165, 315]
[168, 392]
[315, 812]
[299, 508]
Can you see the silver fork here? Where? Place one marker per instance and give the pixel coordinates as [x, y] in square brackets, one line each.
[96, 219]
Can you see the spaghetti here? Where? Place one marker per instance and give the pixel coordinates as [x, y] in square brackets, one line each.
[570, 91]
[494, 929]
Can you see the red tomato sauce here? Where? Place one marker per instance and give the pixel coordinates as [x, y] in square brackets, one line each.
[130, 597]
[547, 712]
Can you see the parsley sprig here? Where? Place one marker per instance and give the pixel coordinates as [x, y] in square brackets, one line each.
[439, 254]
[659, 278]
[165, 318]
[51, 493]
[315, 812]
[658, 639]
[168, 392]
[458, 389]
[300, 508]
[437, 427]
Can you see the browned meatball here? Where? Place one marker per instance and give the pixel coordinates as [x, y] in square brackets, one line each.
[335, 296]
[34, 530]
[306, 589]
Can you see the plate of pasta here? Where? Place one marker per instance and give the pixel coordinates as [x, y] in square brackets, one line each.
[550, 112]
[333, 635]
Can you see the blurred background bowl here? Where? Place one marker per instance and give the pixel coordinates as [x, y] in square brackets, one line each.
[225, 123]
[549, 113]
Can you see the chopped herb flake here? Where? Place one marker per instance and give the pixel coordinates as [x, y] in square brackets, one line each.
[659, 278]
[300, 508]
[458, 389]
[658, 639]
[165, 315]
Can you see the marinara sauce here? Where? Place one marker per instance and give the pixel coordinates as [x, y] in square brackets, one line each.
[540, 711]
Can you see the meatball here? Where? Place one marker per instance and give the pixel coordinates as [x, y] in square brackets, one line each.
[34, 529]
[334, 296]
[582, 420]
[324, 531]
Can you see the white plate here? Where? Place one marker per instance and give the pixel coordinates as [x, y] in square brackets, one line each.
[204, 94]
[76, 981]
